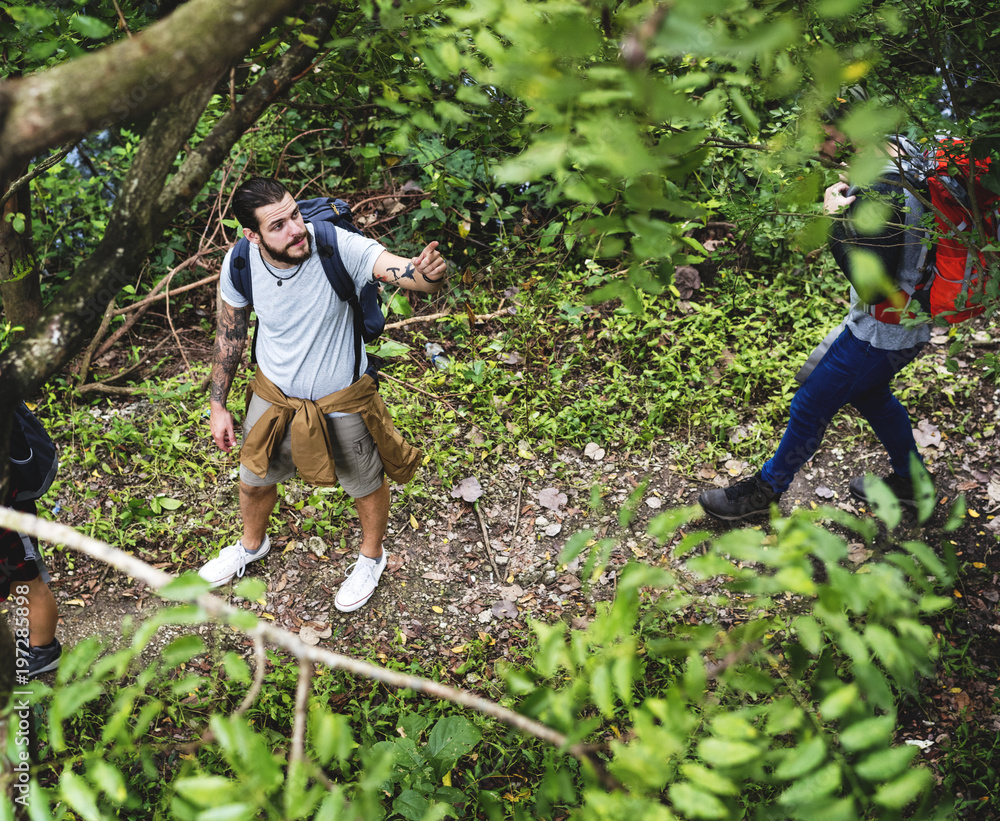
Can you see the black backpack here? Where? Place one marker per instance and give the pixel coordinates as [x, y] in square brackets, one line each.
[33, 457]
[326, 215]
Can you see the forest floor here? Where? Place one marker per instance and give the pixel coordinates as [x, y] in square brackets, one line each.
[464, 579]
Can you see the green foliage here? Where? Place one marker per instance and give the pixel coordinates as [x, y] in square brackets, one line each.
[789, 714]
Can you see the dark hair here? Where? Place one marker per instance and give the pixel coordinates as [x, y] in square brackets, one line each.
[255, 193]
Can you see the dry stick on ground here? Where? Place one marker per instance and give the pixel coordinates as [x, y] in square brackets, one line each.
[88, 355]
[410, 387]
[415, 320]
[173, 330]
[221, 610]
[486, 543]
[139, 308]
[105, 386]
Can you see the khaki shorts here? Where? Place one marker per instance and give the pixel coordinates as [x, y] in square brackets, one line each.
[359, 467]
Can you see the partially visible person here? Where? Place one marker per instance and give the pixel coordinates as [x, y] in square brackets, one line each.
[23, 585]
[859, 364]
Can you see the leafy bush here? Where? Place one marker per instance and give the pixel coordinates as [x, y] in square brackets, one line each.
[788, 713]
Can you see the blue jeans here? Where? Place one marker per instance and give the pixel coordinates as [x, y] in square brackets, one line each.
[851, 372]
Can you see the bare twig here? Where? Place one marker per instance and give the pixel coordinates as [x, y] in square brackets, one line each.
[216, 608]
[301, 711]
[486, 542]
[88, 355]
[258, 676]
[121, 19]
[410, 387]
[173, 330]
[44, 165]
[517, 507]
[415, 320]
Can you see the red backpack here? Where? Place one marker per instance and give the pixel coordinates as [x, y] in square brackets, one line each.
[951, 287]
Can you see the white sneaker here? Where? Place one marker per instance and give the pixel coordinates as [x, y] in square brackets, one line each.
[231, 562]
[361, 583]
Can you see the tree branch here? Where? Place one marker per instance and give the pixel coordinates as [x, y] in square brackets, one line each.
[221, 610]
[36, 170]
[132, 77]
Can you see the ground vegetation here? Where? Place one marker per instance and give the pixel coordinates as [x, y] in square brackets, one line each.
[629, 194]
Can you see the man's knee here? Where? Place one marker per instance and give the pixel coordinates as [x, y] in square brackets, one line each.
[257, 492]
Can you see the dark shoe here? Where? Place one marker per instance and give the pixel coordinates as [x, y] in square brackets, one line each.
[43, 659]
[901, 487]
[750, 497]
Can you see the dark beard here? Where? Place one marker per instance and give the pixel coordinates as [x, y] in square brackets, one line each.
[284, 257]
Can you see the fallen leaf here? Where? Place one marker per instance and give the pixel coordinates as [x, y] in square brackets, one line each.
[413, 519]
[707, 473]
[468, 489]
[434, 576]
[551, 498]
[504, 609]
[927, 434]
[77, 602]
[311, 636]
[437, 609]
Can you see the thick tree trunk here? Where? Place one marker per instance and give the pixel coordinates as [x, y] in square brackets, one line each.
[144, 207]
[20, 287]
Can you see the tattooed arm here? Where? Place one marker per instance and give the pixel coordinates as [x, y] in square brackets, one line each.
[230, 340]
[424, 272]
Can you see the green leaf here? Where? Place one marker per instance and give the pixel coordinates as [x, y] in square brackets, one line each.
[884, 502]
[886, 764]
[696, 803]
[720, 752]
[709, 779]
[184, 588]
[230, 812]
[182, 649]
[812, 788]
[330, 734]
[398, 304]
[76, 792]
[905, 789]
[450, 739]
[166, 503]
[390, 349]
[250, 588]
[841, 700]
[411, 805]
[797, 761]
[206, 790]
[90, 27]
[236, 668]
[867, 733]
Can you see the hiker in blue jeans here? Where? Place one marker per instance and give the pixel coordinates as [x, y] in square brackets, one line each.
[855, 364]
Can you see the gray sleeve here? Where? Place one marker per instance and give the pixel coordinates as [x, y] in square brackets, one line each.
[358, 253]
[227, 290]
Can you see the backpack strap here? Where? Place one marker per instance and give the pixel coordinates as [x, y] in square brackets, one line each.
[342, 283]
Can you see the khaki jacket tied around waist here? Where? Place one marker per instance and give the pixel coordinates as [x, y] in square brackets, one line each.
[311, 435]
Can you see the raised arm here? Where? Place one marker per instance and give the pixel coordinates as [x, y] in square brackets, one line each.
[425, 272]
[230, 340]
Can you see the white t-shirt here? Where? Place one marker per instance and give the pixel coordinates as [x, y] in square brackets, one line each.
[305, 344]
